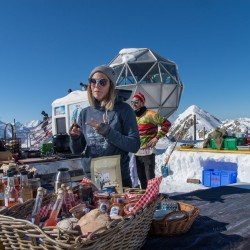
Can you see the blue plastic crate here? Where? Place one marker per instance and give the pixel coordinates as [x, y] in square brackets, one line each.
[216, 178]
[206, 177]
[228, 177]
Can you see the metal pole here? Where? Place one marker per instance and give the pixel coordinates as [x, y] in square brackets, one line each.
[194, 127]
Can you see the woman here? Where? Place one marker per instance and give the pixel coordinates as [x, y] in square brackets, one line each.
[108, 126]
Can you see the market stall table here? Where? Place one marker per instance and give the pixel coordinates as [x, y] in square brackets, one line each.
[223, 223]
[47, 167]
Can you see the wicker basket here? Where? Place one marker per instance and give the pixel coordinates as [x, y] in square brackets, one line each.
[169, 226]
[128, 233]
[134, 191]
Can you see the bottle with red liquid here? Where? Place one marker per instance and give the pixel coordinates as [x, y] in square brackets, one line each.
[11, 194]
[52, 220]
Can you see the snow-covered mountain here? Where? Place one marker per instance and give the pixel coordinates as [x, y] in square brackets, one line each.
[238, 125]
[205, 122]
[32, 124]
[22, 130]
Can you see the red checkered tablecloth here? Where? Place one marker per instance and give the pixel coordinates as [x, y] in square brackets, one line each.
[150, 194]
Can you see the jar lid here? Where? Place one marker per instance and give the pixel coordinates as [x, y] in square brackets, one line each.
[63, 169]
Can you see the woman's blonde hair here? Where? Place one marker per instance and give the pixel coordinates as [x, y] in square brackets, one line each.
[108, 101]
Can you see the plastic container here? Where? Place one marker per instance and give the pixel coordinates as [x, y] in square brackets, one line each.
[206, 177]
[230, 143]
[212, 144]
[244, 147]
[241, 141]
[216, 178]
[46, 148]
[228, 177]
[248, 140]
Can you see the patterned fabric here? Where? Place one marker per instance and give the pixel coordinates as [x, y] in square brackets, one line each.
[148, 126]
[67, 202]
[44, 211]
[151, 193]
[86, 180]
[131, 196]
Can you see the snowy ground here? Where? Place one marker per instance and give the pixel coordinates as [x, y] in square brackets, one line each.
[182, 166]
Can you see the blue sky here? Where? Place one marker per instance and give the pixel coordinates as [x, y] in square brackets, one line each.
[49, 46]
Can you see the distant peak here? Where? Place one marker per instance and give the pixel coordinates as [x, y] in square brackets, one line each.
[193, 108]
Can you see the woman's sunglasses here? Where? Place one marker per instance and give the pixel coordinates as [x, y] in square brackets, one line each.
[93, 82]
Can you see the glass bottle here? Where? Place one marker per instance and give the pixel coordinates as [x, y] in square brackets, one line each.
[71, 196]
[65, 210]
[52, 220]
[35, 218]
[26, 191]
[62, 177]
[16, 180]
[10, 194]
[1, 188]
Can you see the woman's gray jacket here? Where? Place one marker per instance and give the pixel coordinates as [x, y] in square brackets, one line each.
[118, 136]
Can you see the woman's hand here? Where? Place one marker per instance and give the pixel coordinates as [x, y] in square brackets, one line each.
[101, 128]
[75, 129]
[95, 123]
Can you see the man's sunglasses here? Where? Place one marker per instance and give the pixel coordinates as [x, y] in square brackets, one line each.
[93, 82]
[135, 102]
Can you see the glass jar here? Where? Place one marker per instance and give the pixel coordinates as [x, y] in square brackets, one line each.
[104, 205]
[118, 198]
[100, 195]
[116, 209]
[63, 177]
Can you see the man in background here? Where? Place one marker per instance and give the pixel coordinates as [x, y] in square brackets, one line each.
[45, 120]
[151, 127]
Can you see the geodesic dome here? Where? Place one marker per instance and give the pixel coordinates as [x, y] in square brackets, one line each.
[142, 70]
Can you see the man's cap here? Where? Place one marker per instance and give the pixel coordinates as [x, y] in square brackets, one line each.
[140, 96]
